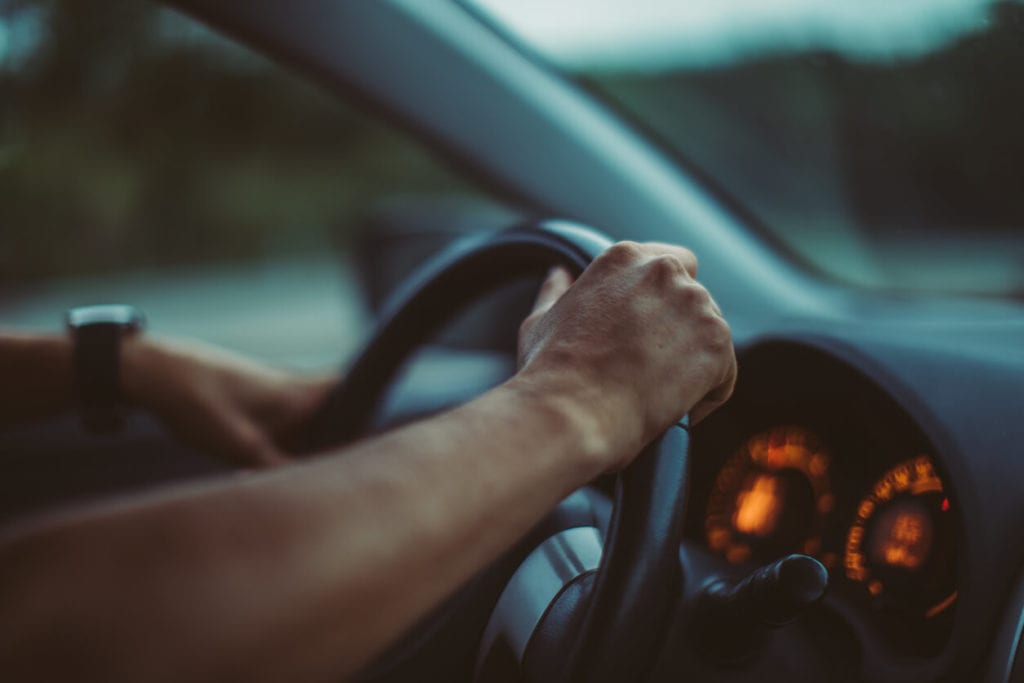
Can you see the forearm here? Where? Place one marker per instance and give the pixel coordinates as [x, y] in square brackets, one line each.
[291, 574]
[37, 376]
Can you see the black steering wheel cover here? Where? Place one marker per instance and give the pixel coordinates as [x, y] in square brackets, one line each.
[640, 576]
[432, 297]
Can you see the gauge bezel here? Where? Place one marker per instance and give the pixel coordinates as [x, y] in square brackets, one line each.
[793, 448]
[908, 480]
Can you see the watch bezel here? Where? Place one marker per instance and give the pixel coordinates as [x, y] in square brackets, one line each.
[97, 333]
[123, 315]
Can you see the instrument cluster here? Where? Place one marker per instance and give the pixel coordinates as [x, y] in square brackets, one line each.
[827, 466]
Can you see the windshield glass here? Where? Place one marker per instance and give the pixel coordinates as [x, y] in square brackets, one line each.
[879, 141]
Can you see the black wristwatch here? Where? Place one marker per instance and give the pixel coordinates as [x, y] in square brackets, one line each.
[97, 332]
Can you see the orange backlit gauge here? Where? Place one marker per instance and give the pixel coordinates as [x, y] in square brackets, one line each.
[771, 498]
[900, 545]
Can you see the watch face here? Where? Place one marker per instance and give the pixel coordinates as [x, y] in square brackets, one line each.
[108, 314]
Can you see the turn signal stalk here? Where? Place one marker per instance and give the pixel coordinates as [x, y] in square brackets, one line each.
[735, 616]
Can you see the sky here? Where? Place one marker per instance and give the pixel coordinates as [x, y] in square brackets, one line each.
[664, 34]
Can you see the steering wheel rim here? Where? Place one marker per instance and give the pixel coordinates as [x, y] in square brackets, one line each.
[625, 617]
[432, 296]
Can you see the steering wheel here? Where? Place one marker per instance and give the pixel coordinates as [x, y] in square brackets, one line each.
[614, 620]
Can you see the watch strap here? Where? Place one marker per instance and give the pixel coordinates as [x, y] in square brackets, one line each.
[98, 376]
[97, 333]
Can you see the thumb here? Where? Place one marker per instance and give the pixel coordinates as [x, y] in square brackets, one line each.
[555, 285]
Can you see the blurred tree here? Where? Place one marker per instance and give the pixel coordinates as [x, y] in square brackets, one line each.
[131, 136]
[815, 144]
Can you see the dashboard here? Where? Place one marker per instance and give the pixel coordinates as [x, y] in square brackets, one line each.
[911, 503]
[883, 423]
[812, 457]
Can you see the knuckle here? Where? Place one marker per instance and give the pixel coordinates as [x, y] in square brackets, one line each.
[666, 267]
[693, 295]
[712, 329]
[717, 333]
[622, 253]
[689, 260]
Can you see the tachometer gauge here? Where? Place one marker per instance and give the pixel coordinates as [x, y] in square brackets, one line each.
[771, 497]
[900, 547]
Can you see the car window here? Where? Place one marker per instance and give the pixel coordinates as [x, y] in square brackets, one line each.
[146, 159]
[878, 141]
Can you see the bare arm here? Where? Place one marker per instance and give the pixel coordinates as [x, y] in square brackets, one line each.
[36, 372]
[219, 402]
[298, 573]
[306, 572]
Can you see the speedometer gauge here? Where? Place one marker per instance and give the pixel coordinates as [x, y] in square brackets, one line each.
[771, 497]
[900, 546]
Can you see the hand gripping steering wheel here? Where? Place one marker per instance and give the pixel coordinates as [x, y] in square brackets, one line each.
[601, 626]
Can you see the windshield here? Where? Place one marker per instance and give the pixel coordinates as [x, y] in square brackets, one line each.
[880, 142]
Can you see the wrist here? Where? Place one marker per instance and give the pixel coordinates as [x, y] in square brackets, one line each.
[576, 409]
[38, 376]
[140, 354]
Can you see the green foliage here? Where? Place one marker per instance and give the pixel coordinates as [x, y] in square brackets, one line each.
[132, 136]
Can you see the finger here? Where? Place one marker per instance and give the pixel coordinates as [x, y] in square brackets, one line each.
[251, 447]
[555, 285]
[687, 257]
[716, 397]
[307, 396]
[708, 405]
